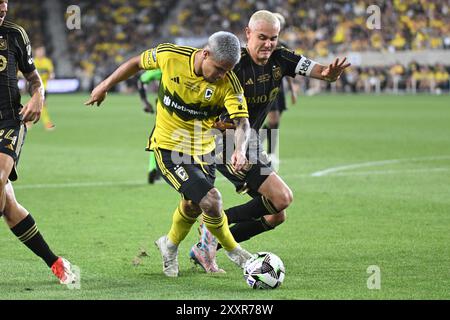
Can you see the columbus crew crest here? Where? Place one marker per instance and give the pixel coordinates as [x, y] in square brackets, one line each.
[182, 174]
[208, 93]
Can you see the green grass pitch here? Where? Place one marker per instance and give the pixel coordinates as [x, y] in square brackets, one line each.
[380, 196]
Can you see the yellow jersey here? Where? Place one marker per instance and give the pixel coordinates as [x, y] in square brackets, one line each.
[187, 104]
[45, 68]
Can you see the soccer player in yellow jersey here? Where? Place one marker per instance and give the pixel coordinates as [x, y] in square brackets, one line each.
[196, 86]
[45, 68]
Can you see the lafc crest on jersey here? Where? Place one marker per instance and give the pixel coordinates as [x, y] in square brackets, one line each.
[276, 73]
[3, 44]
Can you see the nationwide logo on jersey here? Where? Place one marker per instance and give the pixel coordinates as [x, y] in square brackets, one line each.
[276, 73]
[3, 44]
[186, 111]
[208, 93]
[3, 63]
[181, 173]
[249, 82]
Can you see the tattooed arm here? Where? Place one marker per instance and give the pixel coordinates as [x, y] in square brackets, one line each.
[241, 137]
[32, 110]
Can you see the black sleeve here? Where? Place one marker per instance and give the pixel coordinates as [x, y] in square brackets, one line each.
[289, 61]
[25, 58]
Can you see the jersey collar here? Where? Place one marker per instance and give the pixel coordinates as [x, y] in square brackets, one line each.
[191, 63]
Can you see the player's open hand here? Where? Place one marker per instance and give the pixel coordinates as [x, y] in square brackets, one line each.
[335, 69]
[238, 160]
[32, 110]
[97, 96]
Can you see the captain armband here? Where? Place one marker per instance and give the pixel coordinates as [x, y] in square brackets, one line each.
[305, 66]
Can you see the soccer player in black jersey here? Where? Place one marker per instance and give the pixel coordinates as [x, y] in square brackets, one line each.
[15, 54]
[260, 71]
[276, 110]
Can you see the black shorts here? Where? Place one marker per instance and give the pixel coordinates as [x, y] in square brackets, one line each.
[12, 136]
[248, 181]
[193, 177]
[280, 102]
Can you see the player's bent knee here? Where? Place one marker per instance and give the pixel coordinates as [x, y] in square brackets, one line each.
[283, 199]
[190, 208]
[276, 219]
[211, 204]
[14, 212]
[274, 124]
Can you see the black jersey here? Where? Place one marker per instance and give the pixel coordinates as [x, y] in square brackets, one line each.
[15, 54]
[262, 83]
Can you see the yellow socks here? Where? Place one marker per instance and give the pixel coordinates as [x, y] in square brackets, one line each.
[181, 225]
[218, 226]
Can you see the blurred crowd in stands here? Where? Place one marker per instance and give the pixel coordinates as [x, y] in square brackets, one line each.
[397, 78]
[320, 27]
[31, 16]
[113, 30]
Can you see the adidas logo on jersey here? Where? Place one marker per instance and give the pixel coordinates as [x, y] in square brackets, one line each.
[176, 80]
[249, 82]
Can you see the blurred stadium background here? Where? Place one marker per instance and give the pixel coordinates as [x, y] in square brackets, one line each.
[383, 129]
[409, 53]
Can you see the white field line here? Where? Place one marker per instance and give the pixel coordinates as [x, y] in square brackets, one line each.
[80, 184]
[373, 164]
[220, 178]
[381, 172]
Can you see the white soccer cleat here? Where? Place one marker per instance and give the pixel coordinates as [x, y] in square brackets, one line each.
[62, 269]
[169, 253]
[239, 256]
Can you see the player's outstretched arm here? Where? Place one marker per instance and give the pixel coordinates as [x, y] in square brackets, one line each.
[241, 137]
[32, 110]
[332, 72]
[123, 72]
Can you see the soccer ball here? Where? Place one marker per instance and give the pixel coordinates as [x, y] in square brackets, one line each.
[264, 271]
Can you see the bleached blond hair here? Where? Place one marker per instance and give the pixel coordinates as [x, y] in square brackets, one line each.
[263, 15]
[281, 18]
